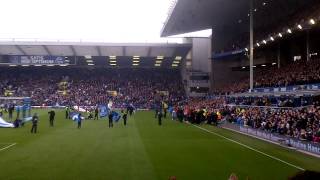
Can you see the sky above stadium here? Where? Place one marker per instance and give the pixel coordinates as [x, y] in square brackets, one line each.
[119, 21]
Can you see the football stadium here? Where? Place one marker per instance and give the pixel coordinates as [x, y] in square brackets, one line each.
[160, 89]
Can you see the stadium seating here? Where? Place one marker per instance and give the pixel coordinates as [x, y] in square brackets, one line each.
[296, 73]
[89, 87]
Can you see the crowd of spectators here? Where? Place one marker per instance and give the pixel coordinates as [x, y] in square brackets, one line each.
[296, 73]
[275, 101]
[302, 123]
[76, 86]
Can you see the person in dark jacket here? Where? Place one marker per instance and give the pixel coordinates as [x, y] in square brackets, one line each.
[160, 118]
[124, 117]
[110, 120]
[35, 120]
[51, 117]
[96, 114]
[79, 121]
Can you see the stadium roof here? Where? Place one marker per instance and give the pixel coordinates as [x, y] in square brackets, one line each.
[102, 54]
[229, 18]
[93, 49]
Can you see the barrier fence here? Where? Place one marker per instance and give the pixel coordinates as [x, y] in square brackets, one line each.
[303, 145]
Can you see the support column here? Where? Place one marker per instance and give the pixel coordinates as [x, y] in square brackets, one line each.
[251, 45]
[279, 55]
[308, 45]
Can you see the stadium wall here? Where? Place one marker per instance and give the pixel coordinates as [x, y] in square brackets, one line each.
[292, 143]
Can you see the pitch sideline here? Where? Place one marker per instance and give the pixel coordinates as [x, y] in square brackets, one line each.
[7, 147]
[253, 149]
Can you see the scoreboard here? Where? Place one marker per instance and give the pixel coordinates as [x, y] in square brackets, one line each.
[34, 60]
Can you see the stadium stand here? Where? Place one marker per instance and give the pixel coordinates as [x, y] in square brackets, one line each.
[90, 87]
[301, 123]
[296, 73]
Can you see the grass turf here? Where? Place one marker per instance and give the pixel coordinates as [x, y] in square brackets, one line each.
[142, 150]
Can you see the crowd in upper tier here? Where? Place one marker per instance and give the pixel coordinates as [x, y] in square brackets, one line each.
[296, 73]
[90, 87]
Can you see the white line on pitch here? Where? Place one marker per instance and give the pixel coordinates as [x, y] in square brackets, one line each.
[7, 147]
[253, 149]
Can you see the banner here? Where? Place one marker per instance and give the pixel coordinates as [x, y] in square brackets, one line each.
[103, 111]
[284, 140]
[163, 93]
[228, 54]
[289, 88]
[41, 60]
[5, 124]
[112, 93]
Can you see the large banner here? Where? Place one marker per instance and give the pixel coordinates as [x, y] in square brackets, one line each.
[227, 54]
[43, 60]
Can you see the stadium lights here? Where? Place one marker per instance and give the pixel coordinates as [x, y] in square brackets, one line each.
[87, 56]
[312, 22]
[174, 65]
[112, 57]
[243, 67]
[264, 42]
[25, 65]
[178, 58]
[274, 64]
[263, 65]
[90, 64]
[271, 38]
[246, 49]
[135, 64]
[258, 44]
[113, 61]
[89, 61]
[158, 62]
[160, 57]
[136, 56]
[280, 35]
[157, 65]
[12, 65]
[135, 61]
[254, 66]
[113, 64]
[176, 62]
[63, 65]
[289, 31]
[299, 26]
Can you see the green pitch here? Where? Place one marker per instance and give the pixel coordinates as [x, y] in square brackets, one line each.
[142, 150]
